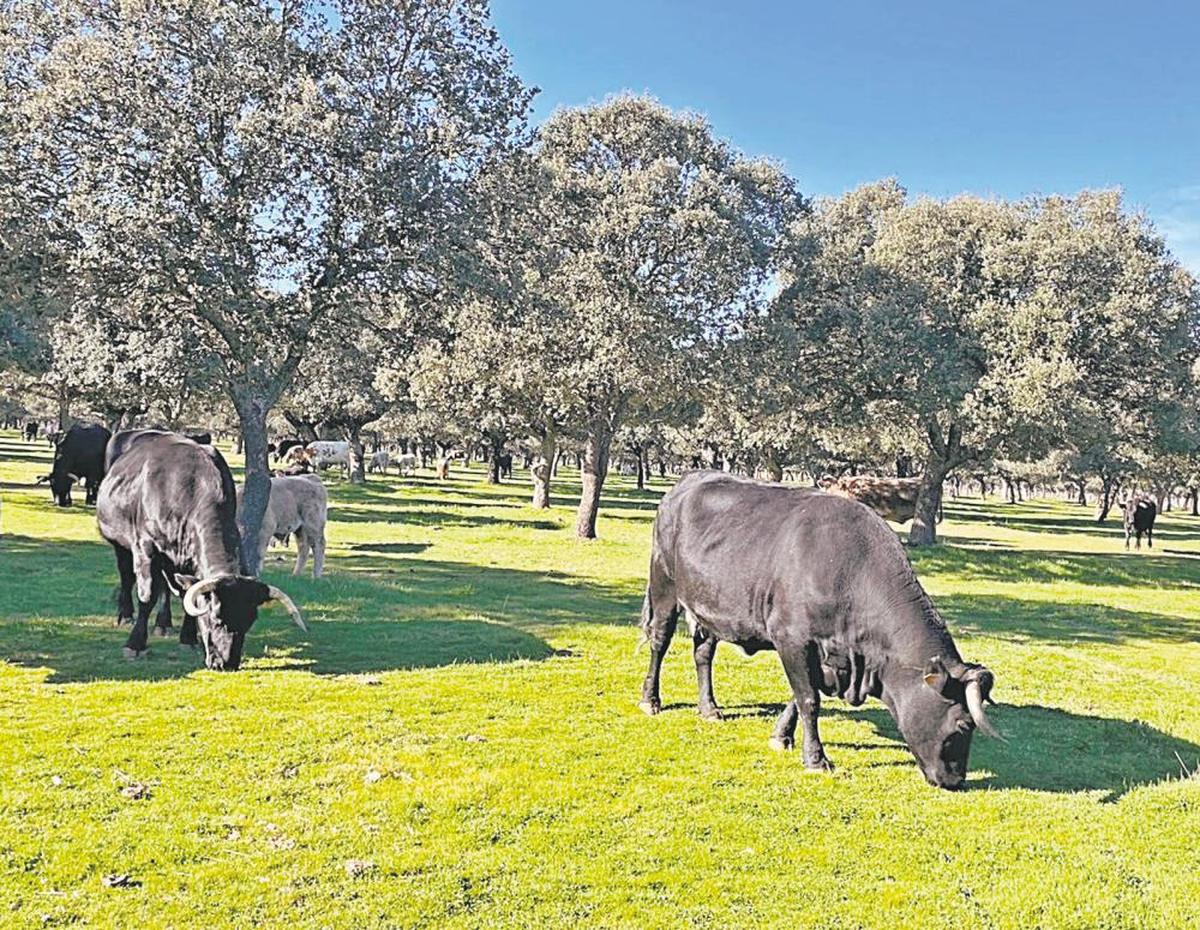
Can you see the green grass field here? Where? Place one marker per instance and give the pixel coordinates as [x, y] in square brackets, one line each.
[456, 742]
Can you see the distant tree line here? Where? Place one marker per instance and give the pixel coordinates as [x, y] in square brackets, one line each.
[334, 220]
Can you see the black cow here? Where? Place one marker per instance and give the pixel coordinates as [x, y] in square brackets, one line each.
[168, 507]
[80, 455]
[31, 430]
[1139, 513]
[824, 582]
[504, 462]
[284, 444]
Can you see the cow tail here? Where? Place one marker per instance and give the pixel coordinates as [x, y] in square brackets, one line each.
[647, 619]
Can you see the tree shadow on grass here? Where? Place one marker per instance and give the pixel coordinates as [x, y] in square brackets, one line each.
[372, 613]
[1053, 750]
[1116, 569]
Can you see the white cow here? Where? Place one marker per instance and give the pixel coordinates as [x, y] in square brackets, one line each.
[379, 461]
[406, 463]
[326, 452]
[298, 506]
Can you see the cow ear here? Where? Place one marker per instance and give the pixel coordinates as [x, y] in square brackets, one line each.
[935, 674]
[179, 583]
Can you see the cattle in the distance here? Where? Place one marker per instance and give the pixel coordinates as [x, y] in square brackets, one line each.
[285, 446]
[379, 462]
[406, 463]
[1139, 513]
[79, 456]
[505, 465]
[826, 584]
[168, 507]
[323, 453]
[298, 506]
[893, 499]
[31, 430]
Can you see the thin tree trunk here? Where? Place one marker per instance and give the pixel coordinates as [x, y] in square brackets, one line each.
[593, 470]
[252, 415]
[358, 459]
[1108, 492]
[542, 469]
[495, 450]
[774, 469]
[641, 467]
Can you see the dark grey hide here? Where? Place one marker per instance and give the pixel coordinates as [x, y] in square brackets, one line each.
[80, 455]
[168, 507]
[824, 582]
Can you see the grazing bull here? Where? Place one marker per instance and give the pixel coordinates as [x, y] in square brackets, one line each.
[80, 455]
[893, 499]
[826, 584]
[298, 506]
[168, 508]
[31, 430]
[1139, 512]
[504, 465]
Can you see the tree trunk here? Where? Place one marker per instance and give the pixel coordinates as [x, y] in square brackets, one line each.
[1195, 492]
[358, 460]
[495, 450]
[774, 469]
[1082, 498]
[252, 414]
[593, 470]
[1108, 493]
[641, 467]
[923, 531]
[542, 469]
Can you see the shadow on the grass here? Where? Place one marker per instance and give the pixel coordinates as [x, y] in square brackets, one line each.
[1048, 749]
[376, 611]
[1043, 749]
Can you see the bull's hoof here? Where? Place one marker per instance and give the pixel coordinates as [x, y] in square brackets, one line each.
[711, 713]
[162, 631]
[819, 765]
[133, 654]
[650, 708]
[781, 743]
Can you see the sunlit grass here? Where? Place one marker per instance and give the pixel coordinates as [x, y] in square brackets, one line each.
[456, 743]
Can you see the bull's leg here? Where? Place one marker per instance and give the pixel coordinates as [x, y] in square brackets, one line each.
[162, 622]
[302, 544]
[149, 584]
[660, 612]
[704, 647]
[803, 670]
[125, 592]
[93, 490]
[1150, 538]
[188, 635]
[784, 734]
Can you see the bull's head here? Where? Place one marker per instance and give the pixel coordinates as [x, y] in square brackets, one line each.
[60, 486]
[225, 607]
[938, 714]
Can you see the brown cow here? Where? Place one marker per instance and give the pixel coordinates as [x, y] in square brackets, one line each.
[893, 499]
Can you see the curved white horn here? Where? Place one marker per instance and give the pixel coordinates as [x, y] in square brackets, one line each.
[203, 586]
[277, 595]
[975, 706]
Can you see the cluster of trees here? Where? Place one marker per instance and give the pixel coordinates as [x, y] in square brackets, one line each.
[336, 214]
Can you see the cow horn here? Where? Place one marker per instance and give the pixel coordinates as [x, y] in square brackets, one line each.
[277, 595]
[975, 706]
[203, 586]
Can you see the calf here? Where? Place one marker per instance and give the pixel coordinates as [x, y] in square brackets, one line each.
[298, 506]
[168, 507]
[406, 463]
[1138, 513]
[826, 584]
[379, 462]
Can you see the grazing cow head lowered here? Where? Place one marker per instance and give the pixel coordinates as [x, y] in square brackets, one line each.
[225, 608]
[939, 713]
[60, 486]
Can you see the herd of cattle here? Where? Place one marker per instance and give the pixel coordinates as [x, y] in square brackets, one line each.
[812, 574]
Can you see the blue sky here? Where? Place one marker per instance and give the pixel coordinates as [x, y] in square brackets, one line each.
[999, 97]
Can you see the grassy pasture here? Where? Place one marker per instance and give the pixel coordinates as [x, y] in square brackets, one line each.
[456, 743]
